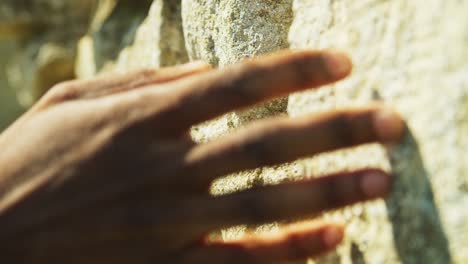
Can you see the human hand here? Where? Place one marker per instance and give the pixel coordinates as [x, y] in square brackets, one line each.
[104, 171]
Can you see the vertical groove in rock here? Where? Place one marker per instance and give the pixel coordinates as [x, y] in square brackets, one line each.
[118, 30]
[172, 39]
[159, 40]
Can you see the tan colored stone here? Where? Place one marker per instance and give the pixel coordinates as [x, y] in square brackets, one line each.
[159, 40]
[38, 67]
[411, 55]
[224, 32]
[114, 28]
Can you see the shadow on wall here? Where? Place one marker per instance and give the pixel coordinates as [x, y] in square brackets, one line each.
[418, 233]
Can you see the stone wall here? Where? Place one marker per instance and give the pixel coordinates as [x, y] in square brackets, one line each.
[412, 55]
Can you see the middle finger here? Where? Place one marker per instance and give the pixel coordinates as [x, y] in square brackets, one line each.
[283, 140]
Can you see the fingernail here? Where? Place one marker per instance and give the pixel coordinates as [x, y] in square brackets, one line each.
[389, 125]
[375, 184]
[338, 64]
[333, 236]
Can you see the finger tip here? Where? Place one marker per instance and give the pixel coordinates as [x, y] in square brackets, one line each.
[333, 235]
[389, 125]
[338, 64]
[375, 184]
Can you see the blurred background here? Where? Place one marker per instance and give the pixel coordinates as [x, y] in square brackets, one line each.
[44, 42]
[9, 106]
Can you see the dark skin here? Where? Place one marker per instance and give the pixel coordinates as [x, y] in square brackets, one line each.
[103, 170]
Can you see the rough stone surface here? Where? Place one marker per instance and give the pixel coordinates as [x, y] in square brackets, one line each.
[118, 30]
[412, 55]
[225, 31]
[159, 41]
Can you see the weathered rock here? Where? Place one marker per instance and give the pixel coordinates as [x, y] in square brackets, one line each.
[118, 31]
[225, 31]
[113, 29]
[47, 32]
[410, 55]
[159, 41]
[19, 18]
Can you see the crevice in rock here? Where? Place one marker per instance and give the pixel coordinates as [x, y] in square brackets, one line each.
[418, 232]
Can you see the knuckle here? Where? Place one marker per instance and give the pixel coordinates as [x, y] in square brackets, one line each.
[304, 70]
[353, 128]
[241, 86]
[61, 87]
[307, 69]
[61, 92]
[147, 73]
[57, 94]
[263, 143]
[341, 129]
[253, 209]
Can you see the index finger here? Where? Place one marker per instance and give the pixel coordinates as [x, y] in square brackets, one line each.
[205, 96]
